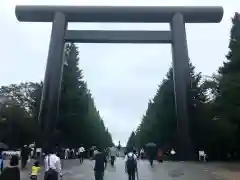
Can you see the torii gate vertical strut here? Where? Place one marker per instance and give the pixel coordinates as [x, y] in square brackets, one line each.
[61, 15]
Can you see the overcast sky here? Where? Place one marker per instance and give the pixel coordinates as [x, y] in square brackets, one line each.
[121, 77]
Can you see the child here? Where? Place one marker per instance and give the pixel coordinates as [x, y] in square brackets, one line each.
[35, 170]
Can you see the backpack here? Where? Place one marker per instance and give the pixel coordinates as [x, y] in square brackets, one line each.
[131, 163]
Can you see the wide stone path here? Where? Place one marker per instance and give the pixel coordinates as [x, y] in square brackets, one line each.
[164, 171]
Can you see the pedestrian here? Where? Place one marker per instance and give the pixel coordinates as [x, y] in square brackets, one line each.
[11, 172]
[1, 161]
[173, 154]
[151, 155]
[131, 165]
[160, 156]
[81, 151]
[100, 164]
[66, 153]
[35, 171]
[113, 154]
[142, 153]
[95, 151]
[24, 156]
[107, 153]
[52, 165]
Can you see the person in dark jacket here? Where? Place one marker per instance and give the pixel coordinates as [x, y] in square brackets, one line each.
[100, 164]
[1, 161]
[11, 172]
[24, 155]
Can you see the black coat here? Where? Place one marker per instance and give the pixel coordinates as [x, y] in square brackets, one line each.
[10, 173]
[100, 162]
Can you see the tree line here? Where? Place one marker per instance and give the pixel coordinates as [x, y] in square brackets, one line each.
[213, 107]
[79, 121]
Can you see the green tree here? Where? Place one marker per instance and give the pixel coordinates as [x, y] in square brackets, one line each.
[16, 126]
[132, 140]
[227, 86]
[79, 120]
[159, 124]
[19, 113]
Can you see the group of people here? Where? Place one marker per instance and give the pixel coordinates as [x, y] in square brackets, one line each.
[25, 154]
[101, 156]
[52, 165]
[101, 160]
[53, 169]
[72, 153]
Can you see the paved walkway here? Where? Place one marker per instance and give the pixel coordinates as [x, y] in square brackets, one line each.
[164, 171]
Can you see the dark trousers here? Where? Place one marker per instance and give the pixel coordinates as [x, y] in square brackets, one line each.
[24, 162]
[51, 176]
[112, 160]
[151, 160]
[33, 177]
[131, 175]
[99, 175]
[81, 157]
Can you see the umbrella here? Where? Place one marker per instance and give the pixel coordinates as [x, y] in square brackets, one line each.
[151, 144]
[3, 146]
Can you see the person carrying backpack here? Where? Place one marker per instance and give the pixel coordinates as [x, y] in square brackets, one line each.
[131, 165]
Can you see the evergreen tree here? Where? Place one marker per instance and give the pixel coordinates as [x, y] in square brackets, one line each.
[159, 124]
[79, 122]
[131, 141]
[226, 105]
[78, 116]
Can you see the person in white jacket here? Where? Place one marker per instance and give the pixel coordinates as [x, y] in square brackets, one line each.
[81, 151]
[52, 164]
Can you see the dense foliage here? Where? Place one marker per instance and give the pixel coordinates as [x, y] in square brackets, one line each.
[79, 121]
[213, 107]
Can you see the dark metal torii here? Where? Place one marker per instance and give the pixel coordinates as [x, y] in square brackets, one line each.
[61, 15]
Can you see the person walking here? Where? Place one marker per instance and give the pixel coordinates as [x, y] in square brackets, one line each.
[151, 155]
[52, 165]
[131, 165]
[100, 164]
[113, 154]
[66, 153]
[1, 161]
[160, 156]
[24, 156]
[81, 151]
[12, 172]
[142, 153]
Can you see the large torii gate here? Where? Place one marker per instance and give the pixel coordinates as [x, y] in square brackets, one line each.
[61, 15]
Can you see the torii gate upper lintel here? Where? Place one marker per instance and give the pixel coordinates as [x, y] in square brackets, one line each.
[61, 15]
